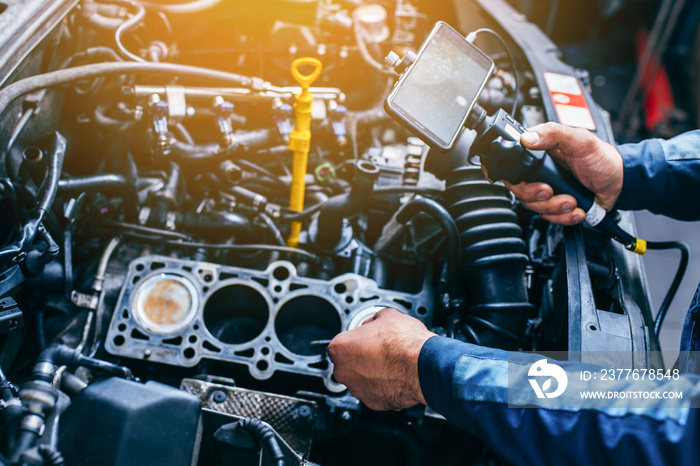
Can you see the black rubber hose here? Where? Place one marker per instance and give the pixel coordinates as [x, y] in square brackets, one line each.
[62, 355]
[36, 259]
[112, 183]
[680, 272]
[45, 198]
[265, 434]
[493, 259]
[49, 188]
[227, 223]
[151, 70]
[342, 206]
[242, 141]
[453, 244]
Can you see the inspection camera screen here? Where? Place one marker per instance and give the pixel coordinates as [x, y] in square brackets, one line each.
[443, 84]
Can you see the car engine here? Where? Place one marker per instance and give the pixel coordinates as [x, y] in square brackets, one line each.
[162, 303]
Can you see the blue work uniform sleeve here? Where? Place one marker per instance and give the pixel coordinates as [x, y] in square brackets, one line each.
[662, 176]
[468, 385]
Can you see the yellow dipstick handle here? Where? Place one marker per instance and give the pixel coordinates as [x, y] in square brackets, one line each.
[300, 139]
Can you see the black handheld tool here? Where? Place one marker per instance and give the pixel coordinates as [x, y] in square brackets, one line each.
[505, 158]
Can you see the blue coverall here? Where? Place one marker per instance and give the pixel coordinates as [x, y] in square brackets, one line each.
[468, 384]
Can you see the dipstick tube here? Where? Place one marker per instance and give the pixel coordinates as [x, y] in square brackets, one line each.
[300, 139]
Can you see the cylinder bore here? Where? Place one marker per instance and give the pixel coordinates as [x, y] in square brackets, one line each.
[305, 319]
[165, 303]
[236, 314]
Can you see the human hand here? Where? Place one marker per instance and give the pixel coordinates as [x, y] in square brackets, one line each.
[597, 164]
[378, 361]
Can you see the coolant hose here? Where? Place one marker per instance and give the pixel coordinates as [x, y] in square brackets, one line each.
[45, 198]
[453, 248]
[112, 183]
[338, 208]
[242, 141]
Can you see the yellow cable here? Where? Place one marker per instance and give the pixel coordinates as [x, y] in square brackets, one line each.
[300, 139]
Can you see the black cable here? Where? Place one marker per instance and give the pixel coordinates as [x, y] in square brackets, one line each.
[512, 62]
[262, 171]
[131, 227]
[273, 228]
[673, 288]
[225, 247]
[640, 246]
[265, 434]
[293, 216]
[244, 247]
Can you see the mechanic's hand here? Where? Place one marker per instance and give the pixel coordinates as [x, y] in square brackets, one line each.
[378, 361]
[597, 164]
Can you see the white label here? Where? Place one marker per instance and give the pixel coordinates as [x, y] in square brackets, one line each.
[562, 83]
[579, 117]
[595, 214]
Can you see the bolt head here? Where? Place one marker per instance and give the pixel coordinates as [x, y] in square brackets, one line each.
[219, 396]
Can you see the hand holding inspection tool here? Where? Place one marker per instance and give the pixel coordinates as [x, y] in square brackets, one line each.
[436, 97]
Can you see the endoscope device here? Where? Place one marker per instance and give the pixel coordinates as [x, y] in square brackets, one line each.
[436, 97]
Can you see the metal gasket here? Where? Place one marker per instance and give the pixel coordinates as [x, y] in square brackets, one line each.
[265, 320]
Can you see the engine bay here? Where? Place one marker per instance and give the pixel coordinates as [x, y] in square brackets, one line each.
[145, 196]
